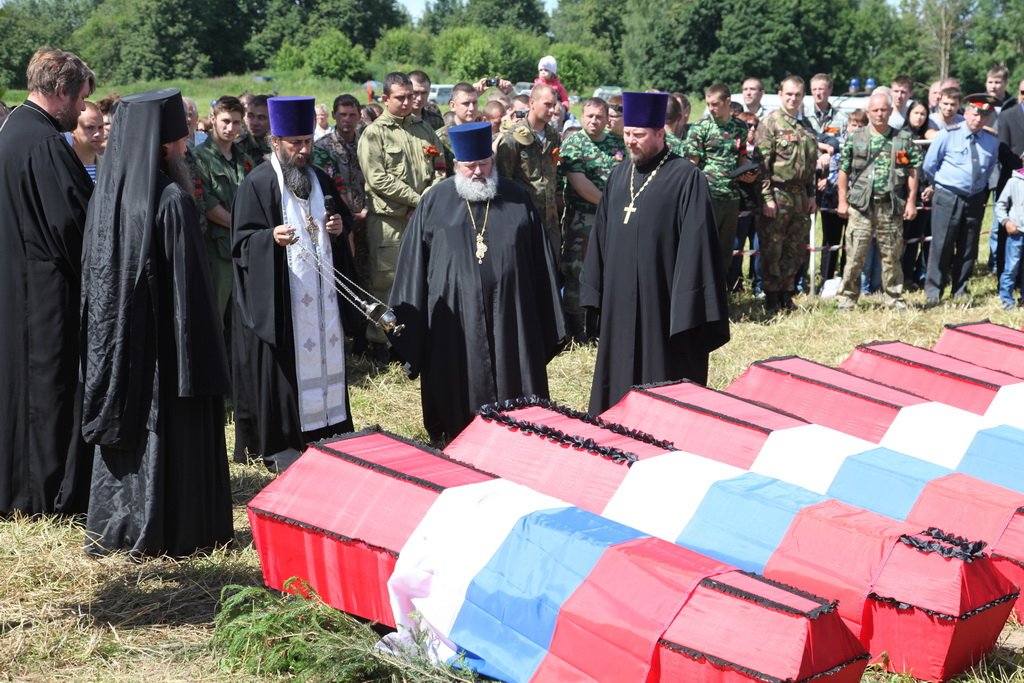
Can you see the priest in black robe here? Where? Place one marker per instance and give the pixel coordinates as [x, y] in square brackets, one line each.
[288, 324]
[475, 287]
[154, 369]
[44, 195]
[652, 268]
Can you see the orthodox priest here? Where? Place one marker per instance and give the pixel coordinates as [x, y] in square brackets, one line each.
[44, 195]
[155, 373]
[476, 289]
[653, 267]
[288, 339]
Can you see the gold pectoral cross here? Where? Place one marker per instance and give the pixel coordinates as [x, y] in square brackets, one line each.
[481, 248]
[629, 211]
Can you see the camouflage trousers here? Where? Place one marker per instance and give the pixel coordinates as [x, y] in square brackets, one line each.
[878, 222]
[575, 235]
[783, 241]
[383, 238]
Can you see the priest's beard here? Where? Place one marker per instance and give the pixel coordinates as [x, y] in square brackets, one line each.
[178, 171]
[296, 178]
[477, 191]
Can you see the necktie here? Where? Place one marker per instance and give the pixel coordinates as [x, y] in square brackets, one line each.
[975, 164]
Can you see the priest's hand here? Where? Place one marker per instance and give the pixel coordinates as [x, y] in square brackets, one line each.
[284, 235]
[769, 210]
[334, 225]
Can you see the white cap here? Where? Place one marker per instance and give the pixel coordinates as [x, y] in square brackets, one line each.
[548, 62]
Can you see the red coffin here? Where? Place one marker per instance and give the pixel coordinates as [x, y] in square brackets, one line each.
[948, 615]
[929, 374]
[983, 343]
[700, 420]
[338, 517]
[824, 395]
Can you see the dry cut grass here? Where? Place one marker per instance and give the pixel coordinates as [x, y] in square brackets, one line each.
[68, 617]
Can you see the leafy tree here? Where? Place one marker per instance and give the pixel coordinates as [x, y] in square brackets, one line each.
[405, 45]
[331, 55]
[289, 58]
[988, 43]
[667, 54]
[276, 20]
[580, 66]
[132, 40]
[363, 22]
[473, 52]
[442, 14]
[595, 23]
[27, 25]
[527, 16]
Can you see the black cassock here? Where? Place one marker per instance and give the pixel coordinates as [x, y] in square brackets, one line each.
[262, 341]
[476, 332]
[657, 280]
[155, 379]
[44, 195]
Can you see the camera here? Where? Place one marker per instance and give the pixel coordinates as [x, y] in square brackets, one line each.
[491, 82]
[519, 113]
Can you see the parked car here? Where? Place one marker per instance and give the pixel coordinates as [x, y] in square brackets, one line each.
[440, 93]
[606, 91]
[522, 88]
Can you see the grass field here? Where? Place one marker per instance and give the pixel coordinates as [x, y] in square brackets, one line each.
[67, 617]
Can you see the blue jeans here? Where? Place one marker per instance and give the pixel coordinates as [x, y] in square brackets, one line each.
[1011, 268]
[746, 229]
[871, 276]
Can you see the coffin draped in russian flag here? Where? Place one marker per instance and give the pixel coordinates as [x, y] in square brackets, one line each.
[549, 591]
[932, 602]
[986, 344]
[905, 422]
[937, 377]
[735, 431]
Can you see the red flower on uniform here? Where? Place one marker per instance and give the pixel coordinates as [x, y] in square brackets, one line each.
[247, 165]
[555, 154]
[901, 158]
[430, 151]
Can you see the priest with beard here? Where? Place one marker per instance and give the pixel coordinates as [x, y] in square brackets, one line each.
[653, 269]
[154, 369]
[476, 289]
[289, 323]
[44, 195]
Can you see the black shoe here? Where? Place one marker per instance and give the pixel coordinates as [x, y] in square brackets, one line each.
[786, 301]
[771, 303]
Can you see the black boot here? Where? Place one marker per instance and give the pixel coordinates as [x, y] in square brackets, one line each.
[771, 303]
[786, 301]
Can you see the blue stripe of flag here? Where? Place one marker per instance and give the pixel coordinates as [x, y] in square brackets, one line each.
[515, 598]
[884, 481]
[996, 455]
[742, 520]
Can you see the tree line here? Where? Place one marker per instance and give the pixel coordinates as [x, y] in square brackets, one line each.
[669, 44]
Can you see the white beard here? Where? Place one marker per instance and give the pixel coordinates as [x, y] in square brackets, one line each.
[477, 192]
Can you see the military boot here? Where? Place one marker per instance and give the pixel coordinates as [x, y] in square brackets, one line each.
[771, 303]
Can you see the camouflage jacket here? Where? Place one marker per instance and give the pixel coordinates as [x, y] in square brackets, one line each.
[790, 151]
[716, 147]
[339, 159]
[399, 158]
[878, 165]
[256, 150]
[533, 162]
[593, 158]
[219, 176]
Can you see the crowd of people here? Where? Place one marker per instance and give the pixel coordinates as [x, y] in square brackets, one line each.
[159, 261]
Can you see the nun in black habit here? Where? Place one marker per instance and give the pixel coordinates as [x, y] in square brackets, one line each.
[153, 361]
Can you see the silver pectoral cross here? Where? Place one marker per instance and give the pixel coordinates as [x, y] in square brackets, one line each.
[629, 211]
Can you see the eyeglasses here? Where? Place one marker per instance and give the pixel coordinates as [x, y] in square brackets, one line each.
[617, 108]
[752, 125]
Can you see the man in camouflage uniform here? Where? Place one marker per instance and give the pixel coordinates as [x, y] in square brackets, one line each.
[528, 152]
[716, 144]
[336, 154]
[464, 105]
[878, 190]
[221, 165]
[256, 141]
[790, 151]
[420, 99]
[400, 157]
[587, 160]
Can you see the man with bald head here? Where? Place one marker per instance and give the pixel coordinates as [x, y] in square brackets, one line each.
[526, 152]
[878, 191]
